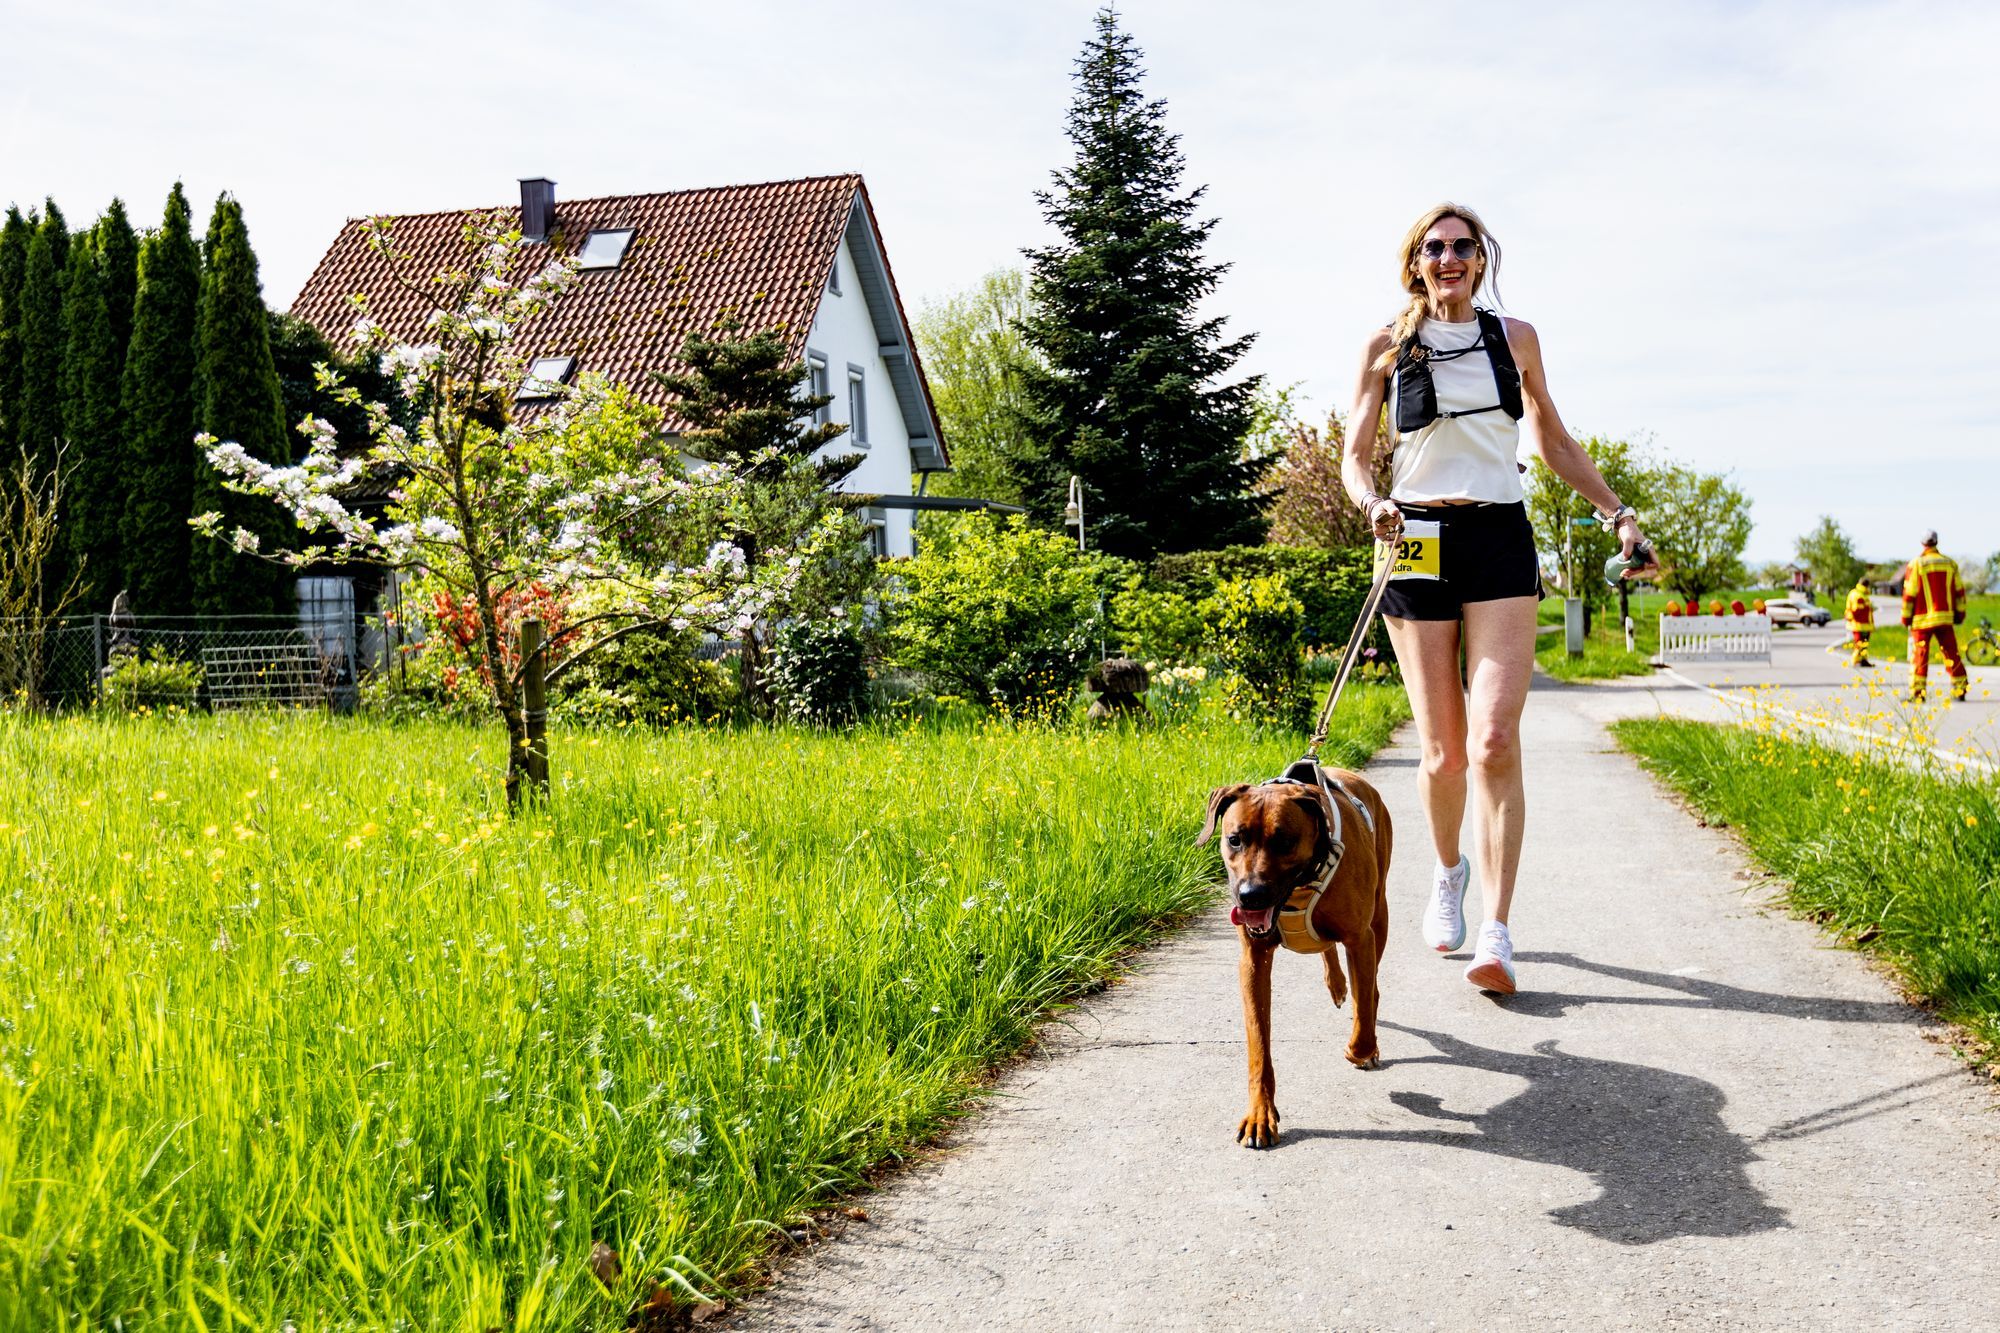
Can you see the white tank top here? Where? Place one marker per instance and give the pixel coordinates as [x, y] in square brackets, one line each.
[1458, 458]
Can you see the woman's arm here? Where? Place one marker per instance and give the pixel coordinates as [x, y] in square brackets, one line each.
[1357, 454]
[1552, 443]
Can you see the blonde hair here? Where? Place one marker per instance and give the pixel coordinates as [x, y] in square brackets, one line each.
[1404, 331]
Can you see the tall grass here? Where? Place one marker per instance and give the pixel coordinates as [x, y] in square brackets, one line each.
[296, 1026]
[1901, 862]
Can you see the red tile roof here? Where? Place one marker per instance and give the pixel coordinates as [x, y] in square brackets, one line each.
[758, 253]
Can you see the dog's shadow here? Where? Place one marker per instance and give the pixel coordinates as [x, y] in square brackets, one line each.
[1652, 1140]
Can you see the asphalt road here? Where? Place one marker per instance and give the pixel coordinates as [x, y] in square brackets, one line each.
[1696, 1114]
[1805, 678]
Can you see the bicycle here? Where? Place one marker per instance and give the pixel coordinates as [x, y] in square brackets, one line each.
[1982, 646]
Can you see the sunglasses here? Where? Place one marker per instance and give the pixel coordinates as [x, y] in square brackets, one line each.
[1462, 248]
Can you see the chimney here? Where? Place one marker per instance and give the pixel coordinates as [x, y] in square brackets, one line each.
[538, 208]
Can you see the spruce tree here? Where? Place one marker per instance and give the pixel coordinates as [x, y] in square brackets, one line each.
[118, 261]
[90, 411]
[238, 400]
[1125, 394]
[741, 399]
[39, 412]
[14, 239]
[157, 405]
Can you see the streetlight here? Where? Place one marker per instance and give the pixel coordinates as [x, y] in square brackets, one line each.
[1073, 511]
[1073, 518]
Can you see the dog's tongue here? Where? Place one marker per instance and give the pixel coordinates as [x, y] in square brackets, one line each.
[1257, 921]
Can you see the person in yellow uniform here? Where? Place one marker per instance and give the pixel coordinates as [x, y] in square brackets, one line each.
[1860, 623]
[1933, 605]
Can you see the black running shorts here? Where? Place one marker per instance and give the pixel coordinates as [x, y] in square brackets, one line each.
[1484, 552]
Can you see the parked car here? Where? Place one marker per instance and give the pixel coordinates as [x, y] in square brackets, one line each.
[1796, 611]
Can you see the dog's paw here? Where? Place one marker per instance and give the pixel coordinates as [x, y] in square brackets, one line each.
[1259, 1129]
[1368, 1059]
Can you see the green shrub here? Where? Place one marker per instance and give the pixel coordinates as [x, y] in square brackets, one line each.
[819, 673]
[1158, 624]
[999, 611]
[654, 677]
[1259, 637]
[156, 681]
[1330, 585]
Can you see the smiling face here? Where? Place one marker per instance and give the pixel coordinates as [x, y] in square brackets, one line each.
[1449, 279]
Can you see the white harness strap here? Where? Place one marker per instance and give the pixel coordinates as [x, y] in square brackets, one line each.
[1295, 918]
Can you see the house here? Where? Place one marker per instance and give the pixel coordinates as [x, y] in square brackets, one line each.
[802, 257]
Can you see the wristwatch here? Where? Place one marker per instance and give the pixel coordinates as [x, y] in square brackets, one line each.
[1609, 522]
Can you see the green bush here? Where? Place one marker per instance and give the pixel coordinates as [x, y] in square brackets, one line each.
[1259, 637]
[156, 681]
[819, 673]
[1330, 585]
[1158, 624]
[1002, 612]
[653, 677]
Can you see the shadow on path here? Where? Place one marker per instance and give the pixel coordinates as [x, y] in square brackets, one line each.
[1651, 1140]
[1694, 993]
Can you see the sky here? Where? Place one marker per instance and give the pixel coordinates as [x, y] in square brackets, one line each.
[1758, 236]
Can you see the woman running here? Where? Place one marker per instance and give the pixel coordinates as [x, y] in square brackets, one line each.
[1460, 381]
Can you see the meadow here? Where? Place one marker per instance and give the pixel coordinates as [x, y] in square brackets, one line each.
[298, 1029]
[1899, 861]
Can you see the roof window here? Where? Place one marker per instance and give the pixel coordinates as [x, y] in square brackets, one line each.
[604, 249]
[546, 376]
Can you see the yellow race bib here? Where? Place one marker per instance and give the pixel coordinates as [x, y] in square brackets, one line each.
[1416, 552]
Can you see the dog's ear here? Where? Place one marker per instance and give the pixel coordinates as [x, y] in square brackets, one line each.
[1314, 805]
[1218, 801]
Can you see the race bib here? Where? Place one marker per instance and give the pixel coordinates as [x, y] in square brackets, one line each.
[1416, 553]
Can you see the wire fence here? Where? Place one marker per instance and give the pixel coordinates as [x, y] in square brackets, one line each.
[203, 662]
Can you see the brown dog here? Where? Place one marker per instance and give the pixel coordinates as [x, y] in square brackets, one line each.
[1278, 838]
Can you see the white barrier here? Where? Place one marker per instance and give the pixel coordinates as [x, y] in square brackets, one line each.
[1715, 638]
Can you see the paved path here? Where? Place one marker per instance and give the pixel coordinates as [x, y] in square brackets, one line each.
[1697, 1114]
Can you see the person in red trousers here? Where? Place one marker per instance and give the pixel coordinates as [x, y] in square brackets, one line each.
[1933, 608]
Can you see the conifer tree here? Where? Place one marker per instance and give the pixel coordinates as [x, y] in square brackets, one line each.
[1125, 393]
[39, 413]
[157, 405]
[741, 399]
[14, 239]
[118, 261]
[238, 400]
[90, 412]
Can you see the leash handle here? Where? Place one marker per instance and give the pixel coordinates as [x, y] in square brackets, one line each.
[1387, 554]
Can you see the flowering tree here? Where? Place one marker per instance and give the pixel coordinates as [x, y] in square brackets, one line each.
[494, 500]
[1309, 504]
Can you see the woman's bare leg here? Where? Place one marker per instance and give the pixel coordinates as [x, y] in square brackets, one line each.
[1427, 652]
[1500, 660]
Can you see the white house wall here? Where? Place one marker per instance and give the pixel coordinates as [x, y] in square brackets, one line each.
[843, 333]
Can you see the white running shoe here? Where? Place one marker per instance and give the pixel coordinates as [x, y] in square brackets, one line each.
[1492, 965]
[1444, 915]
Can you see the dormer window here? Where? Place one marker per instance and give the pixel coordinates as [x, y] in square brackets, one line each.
[546, 377]
[604, 249]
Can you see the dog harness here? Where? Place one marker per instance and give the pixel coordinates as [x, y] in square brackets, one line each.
[1295, 919]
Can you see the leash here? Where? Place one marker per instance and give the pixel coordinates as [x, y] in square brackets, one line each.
[1387, 554]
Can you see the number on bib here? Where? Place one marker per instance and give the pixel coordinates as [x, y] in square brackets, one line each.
[1417, 551]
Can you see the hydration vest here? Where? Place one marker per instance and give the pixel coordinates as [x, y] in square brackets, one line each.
[1416, 391]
